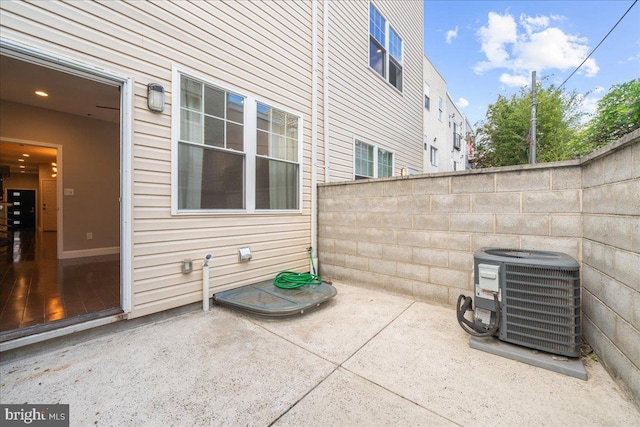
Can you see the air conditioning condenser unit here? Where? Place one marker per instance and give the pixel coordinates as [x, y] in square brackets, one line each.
[525, 297]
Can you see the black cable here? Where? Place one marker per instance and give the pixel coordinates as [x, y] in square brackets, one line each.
[470, 327]
[594, 49]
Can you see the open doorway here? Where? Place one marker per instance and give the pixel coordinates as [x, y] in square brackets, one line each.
[64, 149]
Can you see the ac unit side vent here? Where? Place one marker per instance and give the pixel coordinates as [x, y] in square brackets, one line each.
[542, 308]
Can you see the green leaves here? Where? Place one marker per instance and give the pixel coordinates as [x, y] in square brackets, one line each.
[618, 114]
[502, 138]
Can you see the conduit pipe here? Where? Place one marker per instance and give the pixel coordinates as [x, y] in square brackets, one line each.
[205, 282]
[314, 127]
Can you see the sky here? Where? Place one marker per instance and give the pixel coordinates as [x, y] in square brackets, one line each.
[486, 48]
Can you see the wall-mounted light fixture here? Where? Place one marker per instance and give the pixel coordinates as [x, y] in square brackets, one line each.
[155, 97]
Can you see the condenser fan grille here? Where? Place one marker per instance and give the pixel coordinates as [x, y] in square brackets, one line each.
[542, 308]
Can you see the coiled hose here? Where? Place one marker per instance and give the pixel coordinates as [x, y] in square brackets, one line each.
[292, 280]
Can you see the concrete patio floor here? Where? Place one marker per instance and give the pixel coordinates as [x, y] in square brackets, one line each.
[366, 358]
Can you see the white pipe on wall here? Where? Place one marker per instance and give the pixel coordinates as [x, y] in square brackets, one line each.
[205, 282]
[314, 130]
[325, 71]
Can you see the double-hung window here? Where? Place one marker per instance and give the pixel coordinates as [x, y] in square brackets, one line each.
[372, 161]
[440, 108]
[234, 152]
[434, 156]
[211, 149]
[427, 99]
[277, 169]
[385, 49]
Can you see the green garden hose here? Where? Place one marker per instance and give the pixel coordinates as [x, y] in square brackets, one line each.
[292, 280]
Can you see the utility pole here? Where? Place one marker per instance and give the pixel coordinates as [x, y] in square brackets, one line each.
[532, 150]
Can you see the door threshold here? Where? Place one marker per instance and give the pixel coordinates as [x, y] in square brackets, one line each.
[16, 338]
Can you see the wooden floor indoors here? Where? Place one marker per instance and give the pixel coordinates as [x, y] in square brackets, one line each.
[37, 289]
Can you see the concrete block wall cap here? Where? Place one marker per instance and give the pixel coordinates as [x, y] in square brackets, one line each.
[627, 140]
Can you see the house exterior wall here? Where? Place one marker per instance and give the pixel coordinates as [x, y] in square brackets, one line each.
[417, 235]
[258, 48]
[611, 258]
[262, 50]
[362, 104]
[435, 130]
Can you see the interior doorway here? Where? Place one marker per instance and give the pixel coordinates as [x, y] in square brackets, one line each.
[62, 265]
[21, 210]
[49, 205]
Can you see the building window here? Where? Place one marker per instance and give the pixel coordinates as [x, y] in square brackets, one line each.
[211, 155]
[439, 108]
[434, 156]
[427, 99]
[385, 163]
[385, 49]
[221, 165]
[372, 161]
[277, 168]
[456, 136]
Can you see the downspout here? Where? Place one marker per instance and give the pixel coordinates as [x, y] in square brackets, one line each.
[325, 90]
[314, 134]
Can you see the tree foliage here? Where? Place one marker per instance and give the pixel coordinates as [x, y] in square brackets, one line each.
[502, 138]
[618, 114]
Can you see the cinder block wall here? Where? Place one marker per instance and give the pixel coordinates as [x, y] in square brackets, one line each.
[417, 235]
[611, 258]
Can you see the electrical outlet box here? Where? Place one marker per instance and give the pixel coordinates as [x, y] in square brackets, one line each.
[89, 236]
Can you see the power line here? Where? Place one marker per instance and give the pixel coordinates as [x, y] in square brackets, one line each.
[601, 41]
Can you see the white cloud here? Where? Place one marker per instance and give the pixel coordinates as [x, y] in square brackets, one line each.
[514, 80]
[533, 44]
[451, 34]
[598, 89]
[630, 59]
[462, 102]
[531, 24]
[502, 29]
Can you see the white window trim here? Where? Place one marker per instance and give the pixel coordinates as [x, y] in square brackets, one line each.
[386, 47]
[433, 159]
[375, 157]
[250, 144]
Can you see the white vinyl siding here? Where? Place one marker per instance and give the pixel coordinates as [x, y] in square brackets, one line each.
[260, 48]
[361, 102]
